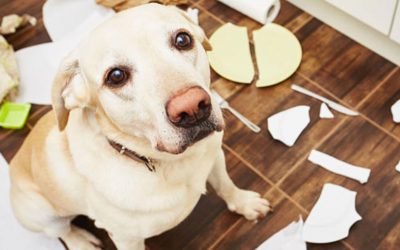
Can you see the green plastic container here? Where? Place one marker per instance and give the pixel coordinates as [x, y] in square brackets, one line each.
[14, 115]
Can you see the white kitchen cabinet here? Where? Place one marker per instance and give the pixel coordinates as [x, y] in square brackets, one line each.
[376, 13]
[395, 34]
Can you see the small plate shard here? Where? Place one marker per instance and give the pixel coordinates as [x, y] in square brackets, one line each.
[288, 238]
[286, 126]
[398, 167]
[396, 111]
[332, 216]
[339, 167]
[325, 112]
[230, 56]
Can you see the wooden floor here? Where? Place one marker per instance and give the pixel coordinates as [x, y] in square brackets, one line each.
[334, 66]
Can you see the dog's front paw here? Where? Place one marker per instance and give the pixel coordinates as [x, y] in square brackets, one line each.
[249, 204]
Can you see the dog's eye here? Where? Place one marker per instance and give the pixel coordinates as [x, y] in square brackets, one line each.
[117, 77]
[183, 40]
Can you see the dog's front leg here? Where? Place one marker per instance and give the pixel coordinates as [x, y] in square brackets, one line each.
[128, 243]
[244, 202]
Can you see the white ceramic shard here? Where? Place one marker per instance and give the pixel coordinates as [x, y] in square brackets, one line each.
[278, 53]
[336, 106]
[230, 56]
[396, 111]
[286, 126]
[13, 235]
[332, 216]
[263, 11]
[288, 238]
[325, 112]
[193, 13]
[61, 18]
[398, 167]
[339, 167]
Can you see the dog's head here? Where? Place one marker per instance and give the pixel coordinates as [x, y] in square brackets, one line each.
[145, 72]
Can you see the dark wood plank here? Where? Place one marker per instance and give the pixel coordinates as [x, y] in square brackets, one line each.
[211, 218]
[271, 157]
[342, 66]
[377, 106]
[358, 143]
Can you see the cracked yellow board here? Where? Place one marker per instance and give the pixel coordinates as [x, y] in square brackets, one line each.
[230, 56]
[278, 54]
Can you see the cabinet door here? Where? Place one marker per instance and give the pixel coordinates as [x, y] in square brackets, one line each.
[376, 13]
[395, 35]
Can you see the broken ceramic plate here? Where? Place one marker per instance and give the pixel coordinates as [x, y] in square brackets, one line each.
[230, 56]
[332, 216]
[286, 126]
[62, 18]
[288, 238]
[325, 112]
[339, 167]
[13, 235]
[278, 53]
[396, 111]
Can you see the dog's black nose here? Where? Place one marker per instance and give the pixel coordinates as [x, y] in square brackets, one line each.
[189, 107]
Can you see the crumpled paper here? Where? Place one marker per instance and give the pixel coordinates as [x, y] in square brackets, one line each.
[9, 78]
[11, 23]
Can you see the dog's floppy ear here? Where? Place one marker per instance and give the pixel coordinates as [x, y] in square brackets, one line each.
[69, 90]
[199, 32]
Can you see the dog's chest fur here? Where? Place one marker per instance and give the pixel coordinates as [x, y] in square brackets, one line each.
[122, 193]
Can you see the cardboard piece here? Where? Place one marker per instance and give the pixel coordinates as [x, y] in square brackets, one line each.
[278, 54]
[339, 167]
[395, 109]
[62, 18]
[332, 216]
[325, 112]
[262, 11]
[230, 56]
[338, 107]
[38, 64]
[13, 235]
[288, 238]
[286, 126]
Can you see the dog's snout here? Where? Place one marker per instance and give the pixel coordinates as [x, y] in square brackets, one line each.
[189, 107]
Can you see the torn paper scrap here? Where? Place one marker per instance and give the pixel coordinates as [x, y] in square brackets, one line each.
[288, 238]
[262, 11]
[398, 167]
[62, 18]
[10, 23]
[396, 111]
[286, 126]
[230, 56]
[332, 216]
[339, 167]
[193, 13]
[325, 112]
[13, 235]
[9, 78]
[338, 107]
[278, 54]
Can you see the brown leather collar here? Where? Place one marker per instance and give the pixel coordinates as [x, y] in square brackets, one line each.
[133, 155]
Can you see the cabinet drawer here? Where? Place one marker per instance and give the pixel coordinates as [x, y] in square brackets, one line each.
[376, 13]
[395, 34]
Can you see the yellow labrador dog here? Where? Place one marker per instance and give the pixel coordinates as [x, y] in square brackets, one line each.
[133, 138]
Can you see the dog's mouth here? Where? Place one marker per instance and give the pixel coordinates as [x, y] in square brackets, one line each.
[193, 135]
